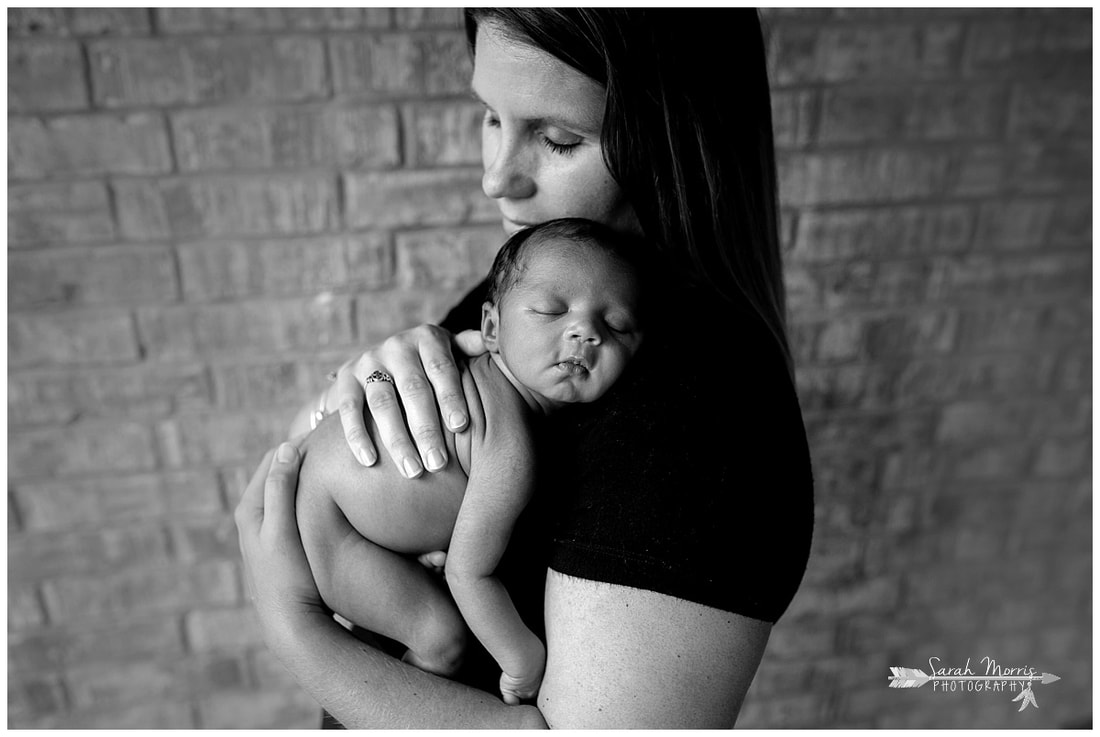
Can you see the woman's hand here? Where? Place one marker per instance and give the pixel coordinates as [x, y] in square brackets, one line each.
[276, 572]
[421, 363]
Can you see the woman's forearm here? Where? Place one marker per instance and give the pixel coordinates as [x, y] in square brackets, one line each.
[365, 688]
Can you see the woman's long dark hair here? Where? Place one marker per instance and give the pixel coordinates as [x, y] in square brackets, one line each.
[687, 134]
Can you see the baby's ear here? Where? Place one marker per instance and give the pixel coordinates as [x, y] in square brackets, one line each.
[490, 323]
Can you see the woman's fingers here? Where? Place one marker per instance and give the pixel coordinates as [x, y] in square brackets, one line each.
[385, 409]
[439, 365]
[250, 508]
[349, 394]
[470, 342]
[280, 488]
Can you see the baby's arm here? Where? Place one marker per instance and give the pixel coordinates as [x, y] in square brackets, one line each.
[501, 483]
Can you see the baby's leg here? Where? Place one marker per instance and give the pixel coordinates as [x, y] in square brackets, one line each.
[384, 592]
[369, 584]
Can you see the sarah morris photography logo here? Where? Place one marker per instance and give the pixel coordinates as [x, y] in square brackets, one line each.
[996, 678]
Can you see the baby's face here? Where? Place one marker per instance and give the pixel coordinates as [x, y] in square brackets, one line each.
[568, 327]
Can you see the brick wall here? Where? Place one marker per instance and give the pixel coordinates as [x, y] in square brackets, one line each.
[209, 208]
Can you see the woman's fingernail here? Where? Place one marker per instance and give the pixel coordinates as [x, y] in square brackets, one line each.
[366, 457]
[412, 468]
[457, 420]
[436, 460]
[286, 453]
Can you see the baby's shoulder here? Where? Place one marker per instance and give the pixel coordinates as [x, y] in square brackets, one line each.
[502, 414]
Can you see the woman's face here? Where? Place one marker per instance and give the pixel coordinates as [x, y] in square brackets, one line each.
[540, 137]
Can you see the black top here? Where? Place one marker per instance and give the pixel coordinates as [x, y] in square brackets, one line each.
[690, 477]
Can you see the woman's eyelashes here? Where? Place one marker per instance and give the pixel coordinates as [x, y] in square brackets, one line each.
[559, 146]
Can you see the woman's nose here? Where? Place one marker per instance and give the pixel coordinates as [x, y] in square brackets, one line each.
[507, 174]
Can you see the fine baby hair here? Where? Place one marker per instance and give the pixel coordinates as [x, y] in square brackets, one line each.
[508, 266]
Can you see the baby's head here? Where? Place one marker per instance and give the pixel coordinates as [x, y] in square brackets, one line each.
[564, 309]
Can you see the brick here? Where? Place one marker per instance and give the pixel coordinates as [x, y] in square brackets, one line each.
[359, 262]
[930, 380]
[245, 20]
[37, 555]
[205, 538]
[107, 275]
[1023, 326]
[977, 420]
[846, 234]
[269, 672]
[803, 710]
[79, 448]
[416, 198]
[1013, 223]
[443, 133]
[267, 327]
[143, 392]
[1055, 167]
[1012, 277]
[154, 680]
[862, 114]
[45, 76]
[951, 113]
[37, 22]
[155, 589]
[887, 51]
[96, 502]
[446, 258]
[1017, 49]
[795, 115]
[110, 21]
[1072, 223]
[448, 66]
[161, 72]
[36, 696]
[87, 146]
[216, 630]
[846, 387]
[71, 338]
[882, 430]
[1050, 110]
[860, 176]
[204, 440]
[284, 709]
[933, 332]
[41, 214]
[428, 17]
[436, 63]
[155, 715]
[981, 169]
[124, 639]
[24, 607]
[347, 136]
[1059, 458]
[381, 315]
[274, 383]
[378, 64]
[285, 204]
[840, 340]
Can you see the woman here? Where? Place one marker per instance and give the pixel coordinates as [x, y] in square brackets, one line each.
[674, 516]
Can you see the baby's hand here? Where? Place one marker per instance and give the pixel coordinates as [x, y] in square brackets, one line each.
[525, 685]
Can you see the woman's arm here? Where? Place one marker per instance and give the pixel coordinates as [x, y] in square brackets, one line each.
[360, 686]
[620, 657]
